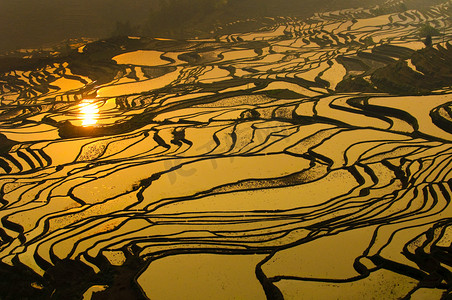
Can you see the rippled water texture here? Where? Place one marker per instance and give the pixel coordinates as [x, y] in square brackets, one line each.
[239, 168]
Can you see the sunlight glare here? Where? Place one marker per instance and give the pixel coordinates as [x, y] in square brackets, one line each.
[89, 112]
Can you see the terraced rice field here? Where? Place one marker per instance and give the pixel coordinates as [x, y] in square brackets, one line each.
[251, 166]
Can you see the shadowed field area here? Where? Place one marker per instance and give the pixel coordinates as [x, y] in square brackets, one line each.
[306, 159]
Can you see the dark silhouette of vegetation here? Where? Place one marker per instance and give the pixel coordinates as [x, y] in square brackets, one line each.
[427, 30]
[428, 41]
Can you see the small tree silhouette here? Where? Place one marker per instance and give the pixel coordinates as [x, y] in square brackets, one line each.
[428, 41]
[427, 30]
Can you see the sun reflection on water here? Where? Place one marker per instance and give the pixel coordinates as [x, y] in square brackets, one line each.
[89, 112]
